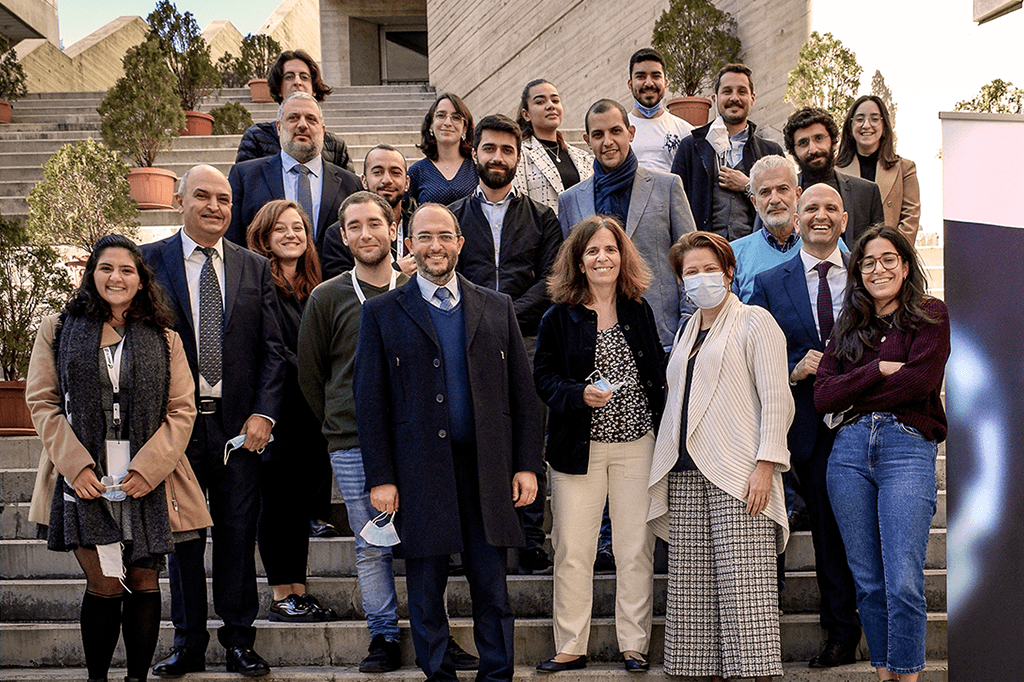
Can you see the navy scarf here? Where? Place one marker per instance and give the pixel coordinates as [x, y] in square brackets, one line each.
[612, 189]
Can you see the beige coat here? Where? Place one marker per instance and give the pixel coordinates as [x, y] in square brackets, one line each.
[740, 409]
[901, 194]
[162, 458]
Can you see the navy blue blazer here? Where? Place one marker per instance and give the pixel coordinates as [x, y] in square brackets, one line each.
[782, 291]
[255, 182]
[400, 396]
[253, 353]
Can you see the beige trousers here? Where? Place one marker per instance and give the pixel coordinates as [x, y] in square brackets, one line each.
[618, 472]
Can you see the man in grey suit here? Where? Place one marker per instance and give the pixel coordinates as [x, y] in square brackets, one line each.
[651, 206]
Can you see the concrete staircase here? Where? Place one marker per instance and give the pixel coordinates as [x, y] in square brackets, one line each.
[40, 592]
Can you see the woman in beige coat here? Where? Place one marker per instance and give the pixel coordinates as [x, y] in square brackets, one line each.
[111, 396]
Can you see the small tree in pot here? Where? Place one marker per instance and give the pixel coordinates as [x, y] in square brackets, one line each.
[259, 52]
[12, 80]
[696, 39]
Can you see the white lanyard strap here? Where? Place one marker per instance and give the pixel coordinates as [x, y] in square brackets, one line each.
[113, 360]
[359, 289]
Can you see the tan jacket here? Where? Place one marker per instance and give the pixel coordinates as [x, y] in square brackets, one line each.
[901, 194]
[162, 458]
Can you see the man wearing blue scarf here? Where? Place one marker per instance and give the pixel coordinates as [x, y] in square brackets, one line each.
[650, 205]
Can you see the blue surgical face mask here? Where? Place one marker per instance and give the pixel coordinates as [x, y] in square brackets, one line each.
[706, 289]
[648, 112]
[381, 535]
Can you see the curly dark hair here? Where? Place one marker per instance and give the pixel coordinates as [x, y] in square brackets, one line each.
[567, 282]
[428, 145]
[276, 75]
[804, 118]
[848, 147]
[858, 327]
[257, 237]
[149, 305]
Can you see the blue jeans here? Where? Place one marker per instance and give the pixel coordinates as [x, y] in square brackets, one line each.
[881, 482]
[373, 564]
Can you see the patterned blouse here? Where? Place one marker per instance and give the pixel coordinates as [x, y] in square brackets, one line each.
[426, 183]
[627, 416]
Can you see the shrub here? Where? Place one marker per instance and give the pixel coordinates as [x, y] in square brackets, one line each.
[230, 119]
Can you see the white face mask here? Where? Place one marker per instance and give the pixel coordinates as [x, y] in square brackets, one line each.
[706, 289]
[381, 536]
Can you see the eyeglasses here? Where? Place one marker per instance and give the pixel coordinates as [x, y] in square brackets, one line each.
[861, 119]
[889, 261]
[455, 117]
[446, 238]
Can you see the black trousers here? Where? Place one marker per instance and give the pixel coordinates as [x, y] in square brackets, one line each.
[234, 495]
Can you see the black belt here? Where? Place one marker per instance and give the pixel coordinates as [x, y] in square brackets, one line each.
[209, 405]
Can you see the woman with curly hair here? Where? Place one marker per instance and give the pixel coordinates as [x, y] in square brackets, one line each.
[446, 139]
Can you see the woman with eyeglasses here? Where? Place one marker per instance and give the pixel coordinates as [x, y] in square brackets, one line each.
[446, 139]
[880, 376]
[867, 149]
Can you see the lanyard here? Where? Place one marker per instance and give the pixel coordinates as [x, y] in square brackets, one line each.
[359, 289]
[114, 371]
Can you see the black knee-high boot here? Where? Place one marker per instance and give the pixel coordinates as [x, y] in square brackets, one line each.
[101, 624]
[141, 624]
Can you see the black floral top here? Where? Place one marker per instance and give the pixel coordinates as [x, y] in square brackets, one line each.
[627, 416]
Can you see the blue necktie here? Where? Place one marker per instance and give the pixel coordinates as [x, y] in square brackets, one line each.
[304, 195]
[444, 298]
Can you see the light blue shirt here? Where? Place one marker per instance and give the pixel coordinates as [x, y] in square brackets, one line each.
[495, 215]
[427, 289]
[316, 182]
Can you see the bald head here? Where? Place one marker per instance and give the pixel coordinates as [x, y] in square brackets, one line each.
[821, 219]
[204, 201]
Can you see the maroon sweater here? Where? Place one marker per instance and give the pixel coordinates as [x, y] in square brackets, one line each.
[911, 393]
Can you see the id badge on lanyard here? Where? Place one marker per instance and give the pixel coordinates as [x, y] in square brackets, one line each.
[118, 452]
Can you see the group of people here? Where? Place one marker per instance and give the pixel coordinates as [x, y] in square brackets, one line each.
[443, 337]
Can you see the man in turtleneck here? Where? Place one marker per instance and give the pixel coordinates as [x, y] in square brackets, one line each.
[658, 133]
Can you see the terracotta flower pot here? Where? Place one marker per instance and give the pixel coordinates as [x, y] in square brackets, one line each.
[693, 110]
[5, 111]
[259, 91]
[152, 188]
[15, 419]
[197, 123]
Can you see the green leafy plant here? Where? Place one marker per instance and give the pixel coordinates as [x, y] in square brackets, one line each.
[83, 196]
[696, 39]
[12, 74]
[827, 75]
[231, 119]
[186, 52]
[259, 52]
[33, 283]
[140, 115]
[230, 69]
[997, 97]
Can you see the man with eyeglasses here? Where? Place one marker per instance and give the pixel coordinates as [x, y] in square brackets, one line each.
[450, 429]
[805, 296]
[811, 136]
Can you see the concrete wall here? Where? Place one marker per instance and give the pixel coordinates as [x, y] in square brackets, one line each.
[29, 19]
[345, 62]
[295, 24]
[364, 41]
[222, 36]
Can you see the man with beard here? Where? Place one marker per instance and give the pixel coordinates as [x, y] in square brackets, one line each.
[298, 173]
[811, 136]
[715, 160]
[658, 133]
[384, 173]
[511, 244]
[450, 429]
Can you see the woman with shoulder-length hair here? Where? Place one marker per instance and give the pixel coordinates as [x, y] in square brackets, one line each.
[112, 398]
[446, 139]
[716, 478]
[599, 367]
[881, 376]
[547, 165]
[281, 232]
[867, 149]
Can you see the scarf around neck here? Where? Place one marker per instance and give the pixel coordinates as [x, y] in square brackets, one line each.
[612, 188]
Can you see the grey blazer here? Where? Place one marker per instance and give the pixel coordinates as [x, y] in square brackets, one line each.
[659, 214]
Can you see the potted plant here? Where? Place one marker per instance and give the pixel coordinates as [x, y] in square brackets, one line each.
[696, 39]
[139, 117]
[83, 196]
[188, 58]
[33, 283]
[259, 52]
[231, 119]
[12, 80]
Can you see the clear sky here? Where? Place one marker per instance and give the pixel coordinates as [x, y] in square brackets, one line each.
[79, 18]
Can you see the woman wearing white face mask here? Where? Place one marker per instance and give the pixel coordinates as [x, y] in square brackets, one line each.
[716, 484]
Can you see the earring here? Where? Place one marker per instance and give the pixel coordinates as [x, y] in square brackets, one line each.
[463, 137]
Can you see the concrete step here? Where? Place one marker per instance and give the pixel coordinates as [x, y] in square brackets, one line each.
[531, 597]
[344, 642]
[794, 671]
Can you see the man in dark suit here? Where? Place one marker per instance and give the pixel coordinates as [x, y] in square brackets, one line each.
[298, 173]
[450, 430]
[226, 307]
[805, 295]
[811, 137]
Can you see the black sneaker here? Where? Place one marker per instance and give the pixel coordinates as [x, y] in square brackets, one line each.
[461, 659]
[605, 562]
[383, 657]
[534, 561]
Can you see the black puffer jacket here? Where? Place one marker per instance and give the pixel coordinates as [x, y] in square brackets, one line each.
[261, 140]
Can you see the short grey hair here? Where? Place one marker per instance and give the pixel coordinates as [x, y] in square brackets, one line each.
[298, 95]
[767, 163]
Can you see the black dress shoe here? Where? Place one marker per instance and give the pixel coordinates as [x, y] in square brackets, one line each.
[292, 609]
[322, 529]
[461, 659]
[636, 665]
[605, 561]
[834, 653]
[246, 661]
[534, 561]
[383, 656]
[182, 660]
[553, 666]
[323, 613]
